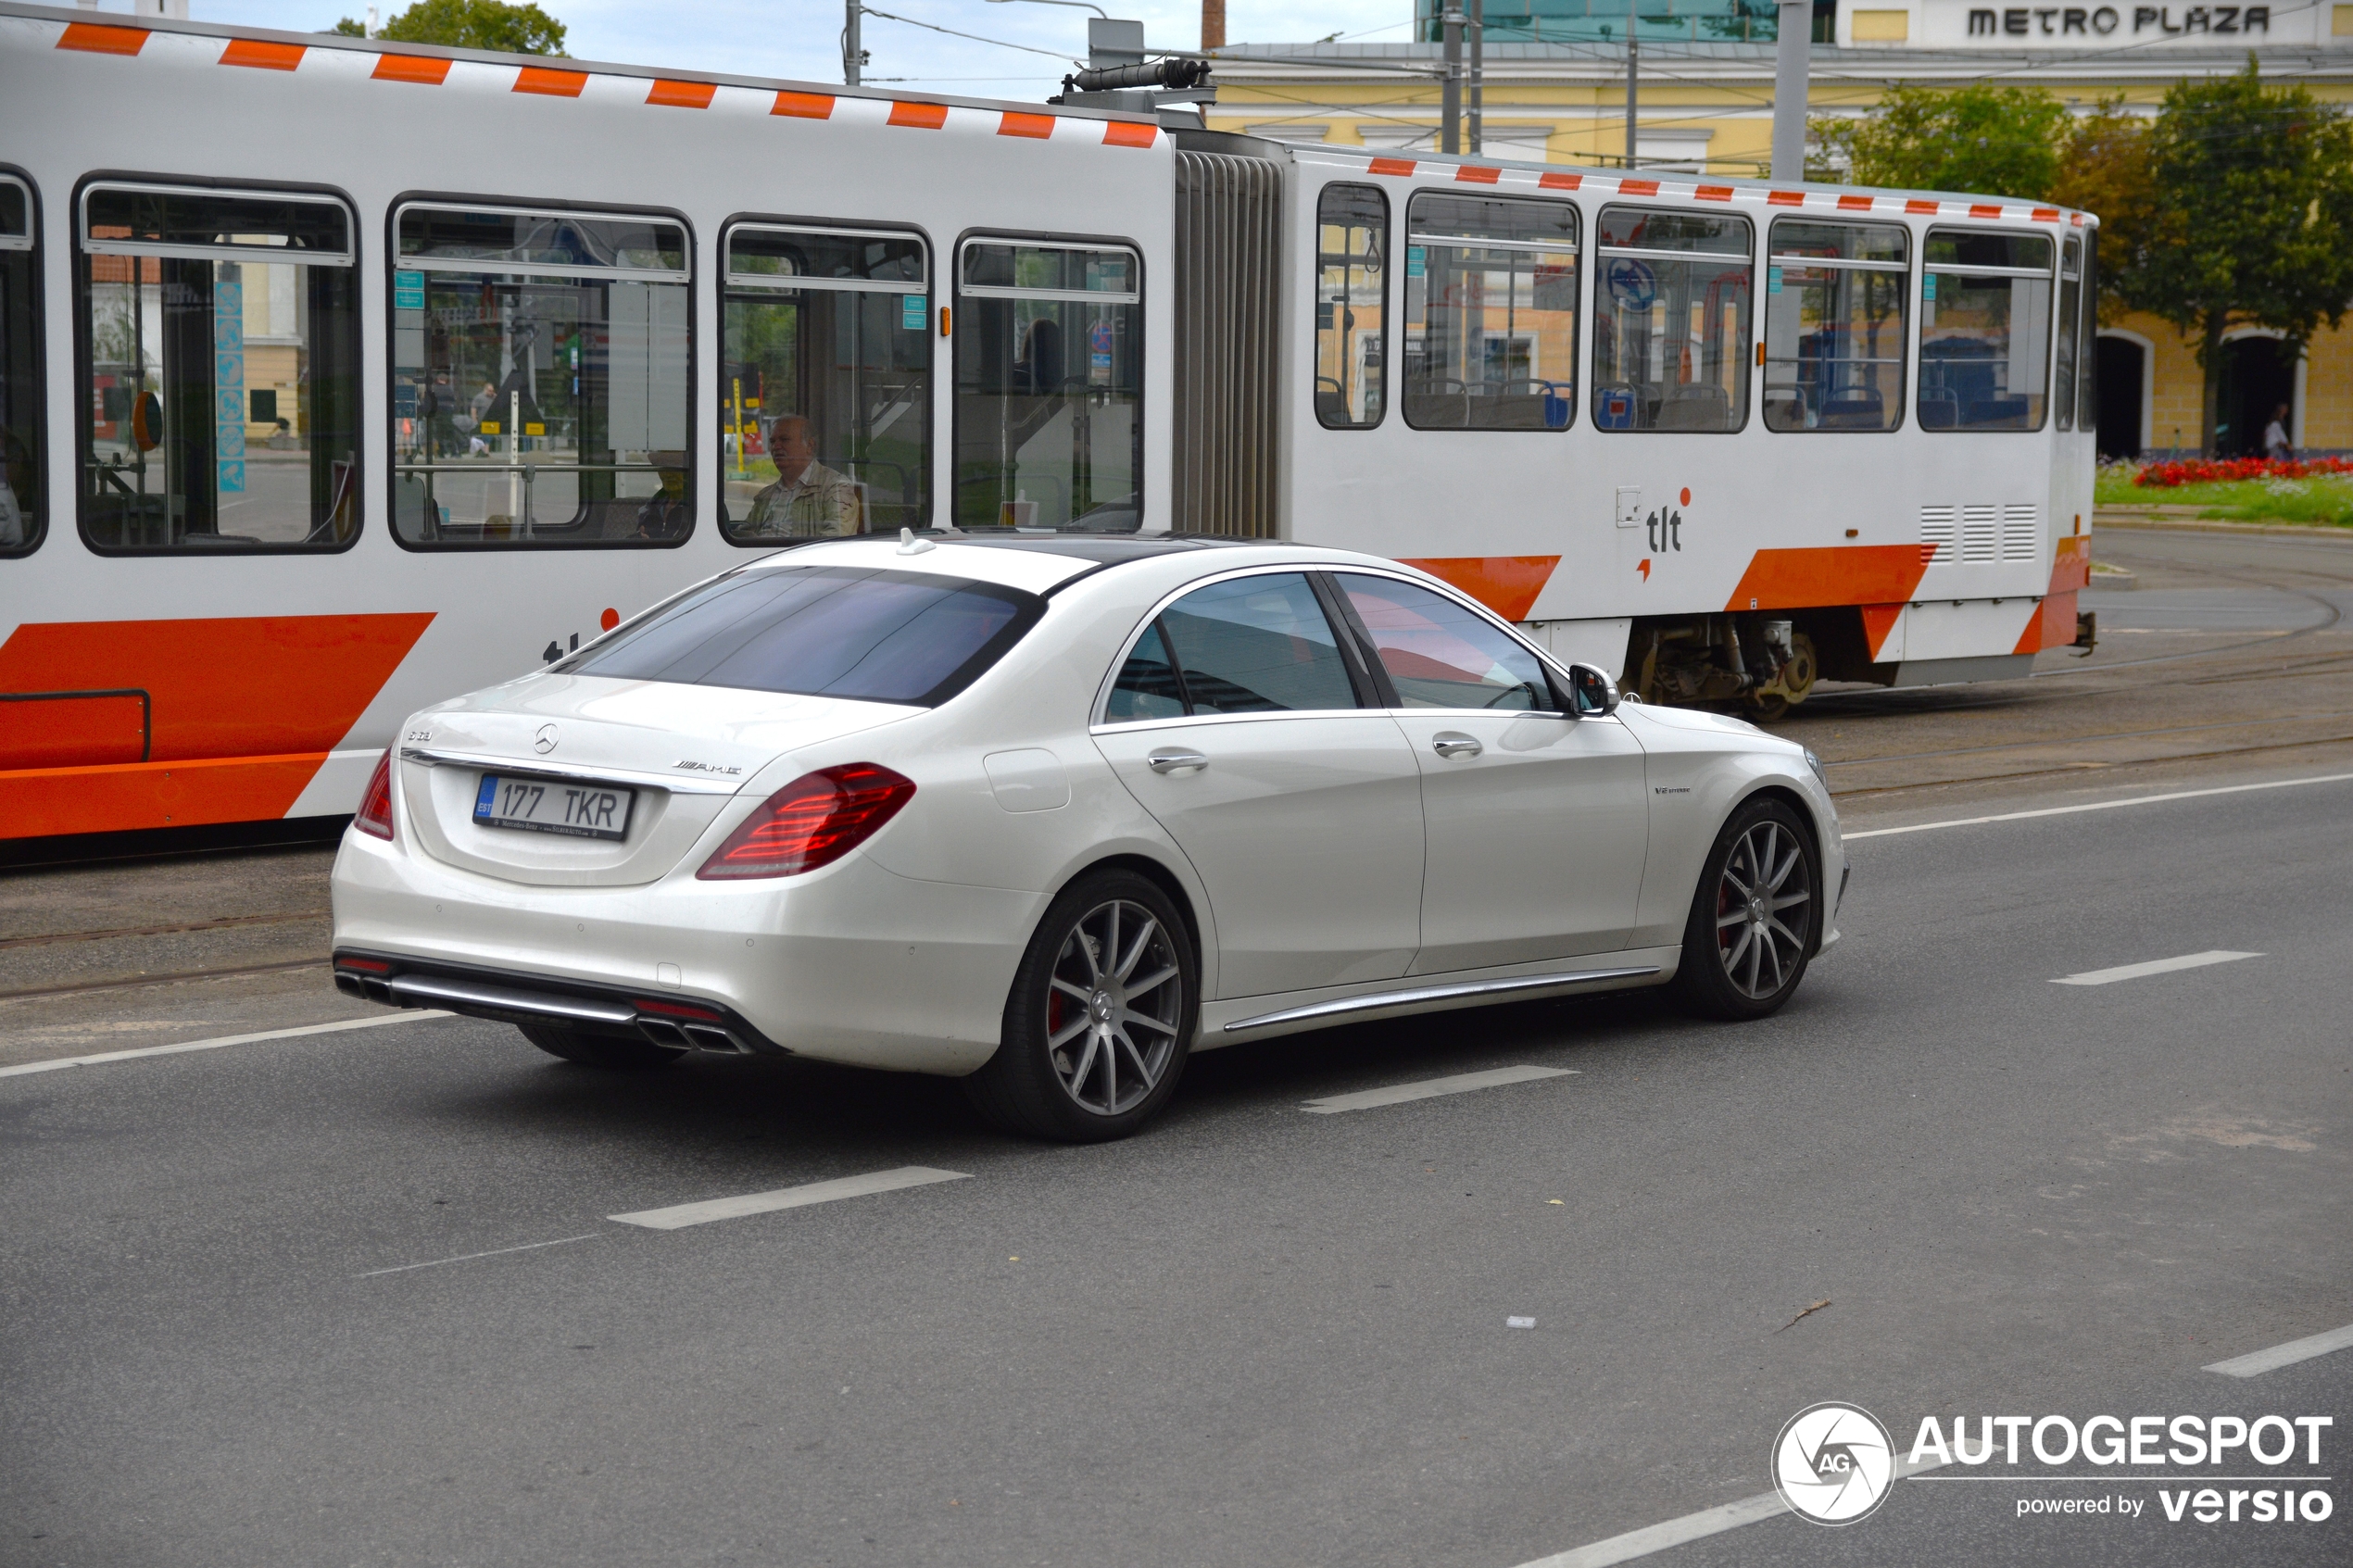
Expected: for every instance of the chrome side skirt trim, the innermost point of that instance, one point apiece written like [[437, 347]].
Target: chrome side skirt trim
[[676, 784], [1382, 1001], [461, 996]]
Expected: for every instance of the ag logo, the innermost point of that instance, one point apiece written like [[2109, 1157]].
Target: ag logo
[[1833, 1463]]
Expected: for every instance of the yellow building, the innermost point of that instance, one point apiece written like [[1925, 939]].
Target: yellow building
[[1703, 104]]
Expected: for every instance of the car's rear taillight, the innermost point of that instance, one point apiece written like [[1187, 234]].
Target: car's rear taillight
[[812, 822], [375, 815]]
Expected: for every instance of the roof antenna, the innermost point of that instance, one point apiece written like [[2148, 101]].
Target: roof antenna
[[910, 545]]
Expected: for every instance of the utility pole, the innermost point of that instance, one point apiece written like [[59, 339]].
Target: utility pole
[[1451, 109], [854, 55], [1793, 55], [1213, 24], [1634, 73], [1478, 75]]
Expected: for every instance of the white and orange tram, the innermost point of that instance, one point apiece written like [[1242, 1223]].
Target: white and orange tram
[[339, 376]]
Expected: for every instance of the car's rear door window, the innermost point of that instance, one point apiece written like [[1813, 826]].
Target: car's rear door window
[[824, 631], [1438, 654], [1252, 644]]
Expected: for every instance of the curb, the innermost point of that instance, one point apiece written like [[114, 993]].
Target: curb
[[2270, 530]]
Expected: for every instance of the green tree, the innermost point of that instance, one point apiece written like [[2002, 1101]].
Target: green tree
[[2104, 169], [470, 24], [1993, 141], [2249, 217]]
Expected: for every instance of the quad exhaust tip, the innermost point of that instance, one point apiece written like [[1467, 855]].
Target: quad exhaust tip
[[674, 1025]]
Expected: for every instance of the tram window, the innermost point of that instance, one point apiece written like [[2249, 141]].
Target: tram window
[[539, 379], [20, 454], [192, 299], [1351, 298], [2087, 353], [1671, 320], [1985, 309], [2071, 297], [1050, 375], [825, 386], [1834, 326], [1490, 314]]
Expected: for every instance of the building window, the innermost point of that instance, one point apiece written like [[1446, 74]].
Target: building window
[[1834, 326], [824, 388], [192, 299], [1490, 314], [2070, 299], [1985, 307], [1671, 327], [1352, 292], [539, 379], [21, 493], [1050, 375]]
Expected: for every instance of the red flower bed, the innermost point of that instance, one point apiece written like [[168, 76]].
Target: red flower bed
[[2209, 471]]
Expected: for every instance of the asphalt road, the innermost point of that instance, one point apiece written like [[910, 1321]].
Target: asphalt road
[[1255, 1335]]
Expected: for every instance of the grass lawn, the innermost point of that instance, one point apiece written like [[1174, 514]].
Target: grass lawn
[[2323, 499]]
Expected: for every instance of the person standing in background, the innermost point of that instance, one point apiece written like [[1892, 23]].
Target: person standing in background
[[2275, 441]]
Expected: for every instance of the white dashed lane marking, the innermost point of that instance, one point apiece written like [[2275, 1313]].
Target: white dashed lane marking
[[410, 1016], [687, 1214], [1429, 1088], [2154, 966], [2294, 1350], [2095, 806], [470, 1257]]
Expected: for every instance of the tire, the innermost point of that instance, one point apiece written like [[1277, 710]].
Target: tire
[[1087, 1055], [598, 1050], [1744, 954]]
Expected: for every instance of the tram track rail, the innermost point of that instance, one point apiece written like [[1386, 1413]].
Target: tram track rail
[[225, 923]]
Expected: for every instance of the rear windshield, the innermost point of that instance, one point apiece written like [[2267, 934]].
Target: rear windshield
[[823, 631]]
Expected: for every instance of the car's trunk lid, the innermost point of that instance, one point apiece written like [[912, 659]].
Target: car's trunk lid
[[677, 753]]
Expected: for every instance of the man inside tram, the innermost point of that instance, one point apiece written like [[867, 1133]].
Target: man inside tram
[[809, 500]]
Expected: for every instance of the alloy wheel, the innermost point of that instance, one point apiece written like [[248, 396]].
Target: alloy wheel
[[1112, 1007], [1765, 877]]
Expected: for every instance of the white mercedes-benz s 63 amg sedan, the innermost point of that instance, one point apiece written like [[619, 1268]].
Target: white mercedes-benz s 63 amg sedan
[[1048, 813]]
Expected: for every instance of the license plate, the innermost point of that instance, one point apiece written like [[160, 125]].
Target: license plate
[[584, 811]]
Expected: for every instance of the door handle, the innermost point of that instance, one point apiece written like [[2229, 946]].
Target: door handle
[[1454, 743], [1174, 761]]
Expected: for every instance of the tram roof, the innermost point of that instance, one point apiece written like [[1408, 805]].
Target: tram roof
[[119, 33]]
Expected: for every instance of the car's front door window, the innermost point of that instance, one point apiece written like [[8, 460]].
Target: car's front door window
[[1438, 654]]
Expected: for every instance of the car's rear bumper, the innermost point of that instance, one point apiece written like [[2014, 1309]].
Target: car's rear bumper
[[514, 998], [852, 964]]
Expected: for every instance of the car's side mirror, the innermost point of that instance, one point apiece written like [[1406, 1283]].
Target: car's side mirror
[[1593, 692]]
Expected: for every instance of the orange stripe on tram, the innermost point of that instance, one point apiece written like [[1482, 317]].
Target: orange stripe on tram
[[423, 69], [804, 105], [1506, 585], [97, 38], [263, 56], [1834, 574], [919, 117], [1119, 133], [669, 94], [233, 716], [550, 84], [1015, 123], [1878, 621]]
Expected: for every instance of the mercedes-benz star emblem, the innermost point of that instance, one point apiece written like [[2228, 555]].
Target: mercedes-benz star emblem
[[545, 740]]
